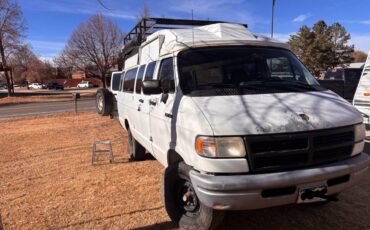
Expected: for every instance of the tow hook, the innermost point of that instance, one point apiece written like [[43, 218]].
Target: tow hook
[[310, 194]]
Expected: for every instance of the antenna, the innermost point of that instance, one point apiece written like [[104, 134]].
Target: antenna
[[192, 24]]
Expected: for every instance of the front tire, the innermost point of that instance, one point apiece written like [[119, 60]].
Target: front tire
[[134, 148], [181, 202]]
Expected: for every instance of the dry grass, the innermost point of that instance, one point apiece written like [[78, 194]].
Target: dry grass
[[47, 182], [40, 98]]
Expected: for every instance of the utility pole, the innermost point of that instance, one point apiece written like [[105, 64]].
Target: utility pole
[[272, 19]]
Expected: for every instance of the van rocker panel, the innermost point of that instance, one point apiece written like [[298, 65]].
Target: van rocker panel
[[243, 192]]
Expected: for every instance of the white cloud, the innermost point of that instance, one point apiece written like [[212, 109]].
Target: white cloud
[[202, 6], [77, 7], [367, 22], [47, 45], [302, 17], [283, 37], [46, 49], [223, 10], [49, 59], [361, 42]]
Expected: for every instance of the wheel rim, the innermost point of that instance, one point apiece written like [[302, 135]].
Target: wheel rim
[[100, 102], [187, 199]]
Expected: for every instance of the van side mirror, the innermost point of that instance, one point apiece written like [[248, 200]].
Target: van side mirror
[[152, 87]]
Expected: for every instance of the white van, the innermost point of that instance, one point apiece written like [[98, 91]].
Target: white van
[[238, 122]]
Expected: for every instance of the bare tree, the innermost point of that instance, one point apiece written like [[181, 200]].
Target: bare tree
[[359, 56], [12, 27], [145, 13], [20, 60], [94, 43], [65, 64]]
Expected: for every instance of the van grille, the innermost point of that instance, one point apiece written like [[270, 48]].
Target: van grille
[[277, 152]]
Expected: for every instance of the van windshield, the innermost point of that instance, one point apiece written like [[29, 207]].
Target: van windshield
[[242, 70]]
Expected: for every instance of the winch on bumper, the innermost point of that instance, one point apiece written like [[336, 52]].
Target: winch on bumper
[[254, 191]]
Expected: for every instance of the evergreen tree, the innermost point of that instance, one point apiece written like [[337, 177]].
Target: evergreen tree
[[322, 46]]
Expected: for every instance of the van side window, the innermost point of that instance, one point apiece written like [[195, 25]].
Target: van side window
[[150, 71], [139, 79], [129, 81], [121, 82], [116, 81], [166, 76]]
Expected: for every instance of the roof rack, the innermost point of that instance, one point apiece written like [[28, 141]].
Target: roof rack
[[147, 26]]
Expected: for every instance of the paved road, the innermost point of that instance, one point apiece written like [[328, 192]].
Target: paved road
[[17, 110]]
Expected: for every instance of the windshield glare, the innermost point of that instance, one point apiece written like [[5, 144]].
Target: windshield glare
[[241, 67]]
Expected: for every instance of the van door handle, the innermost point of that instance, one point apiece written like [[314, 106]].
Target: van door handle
[[152, 102], [168, 115], [141, 100]]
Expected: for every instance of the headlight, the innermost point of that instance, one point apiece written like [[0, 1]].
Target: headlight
[[360, 132], [220, 147]]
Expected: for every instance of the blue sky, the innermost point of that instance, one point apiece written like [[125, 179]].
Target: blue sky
[[51, 22]]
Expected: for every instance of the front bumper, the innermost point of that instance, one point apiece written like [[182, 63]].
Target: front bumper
[[242, 192]]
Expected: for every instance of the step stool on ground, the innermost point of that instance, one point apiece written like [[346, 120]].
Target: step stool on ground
[[103, 152]]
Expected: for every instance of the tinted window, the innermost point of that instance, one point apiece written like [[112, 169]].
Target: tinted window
[[116, 81], [334, 74], [129, 81], [150, 71], [166, 76], [139, 79], [353, 75], [121, 83]]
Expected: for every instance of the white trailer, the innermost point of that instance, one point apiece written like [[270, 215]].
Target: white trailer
[[361, 99]]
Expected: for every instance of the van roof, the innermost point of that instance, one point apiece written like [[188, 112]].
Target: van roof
[[211, 35]]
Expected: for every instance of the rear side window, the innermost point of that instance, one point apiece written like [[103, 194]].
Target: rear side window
[[139, 79], [150, 71], [129, 81], [116, 79], [166, 76], [335, 74], [121, 83], [353, 75]]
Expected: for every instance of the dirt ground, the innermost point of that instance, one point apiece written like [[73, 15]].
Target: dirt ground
[[47, 182]]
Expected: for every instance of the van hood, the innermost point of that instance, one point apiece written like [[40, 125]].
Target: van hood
[[276, 113]]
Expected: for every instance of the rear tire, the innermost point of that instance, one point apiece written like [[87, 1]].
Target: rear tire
[[134, 148], [104, 102], [182, 204]]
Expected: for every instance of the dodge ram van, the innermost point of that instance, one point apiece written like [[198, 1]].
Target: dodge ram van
[[237, 121]]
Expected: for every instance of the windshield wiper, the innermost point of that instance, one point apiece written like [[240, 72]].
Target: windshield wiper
[[298, 84], [216, 85], [251, 83], [275, 83]]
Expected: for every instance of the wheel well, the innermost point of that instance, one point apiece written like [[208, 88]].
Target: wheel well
[[173, 157], [126, 124]]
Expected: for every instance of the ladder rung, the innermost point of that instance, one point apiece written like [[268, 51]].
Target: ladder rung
[[103, 142], [102, 151], [101, 154]]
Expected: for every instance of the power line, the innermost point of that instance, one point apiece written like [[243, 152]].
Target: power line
[[103, 5]]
